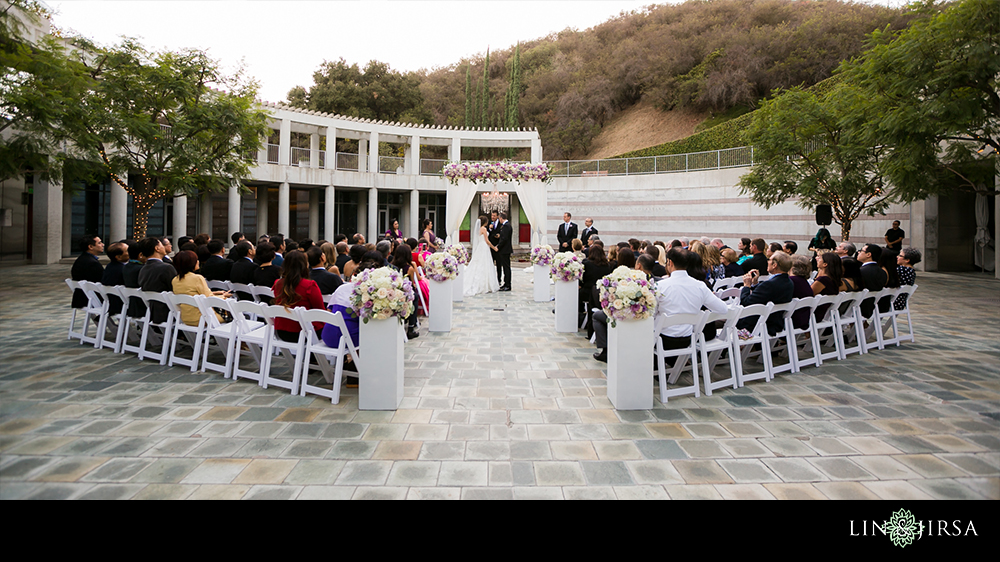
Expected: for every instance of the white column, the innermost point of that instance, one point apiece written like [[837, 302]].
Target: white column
[[261, 212], [328, 212], [285, 142], [119, 213], [373, 153], [413, 156], [362, 217], [372, 226], [47, 222], [536, 151], [235, 217], [314, 214], [180, 219], [413, 228], [283, 194], [205, 214], [68, 246], [314, 150], [996, 226], [331, 151], [455, 150], [362, 155]]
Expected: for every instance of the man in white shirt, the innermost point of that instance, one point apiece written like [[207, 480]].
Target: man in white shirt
[[681, 294]]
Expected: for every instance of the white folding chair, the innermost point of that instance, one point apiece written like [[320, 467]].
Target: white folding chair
[[728, 283], [193, 335], [219, 285], [97, 309], [262, 294], [697, 322], [849, 318], [250, 336], [896, 313], [758, 336], [165, 327], [882, 320], [119, 332], [712, 350], [134, 325], [808, 306], [243, 291], [416, 288], [292, 352], [782, 340], [74, 286], [316, 348], [824, 319], [728, 294]]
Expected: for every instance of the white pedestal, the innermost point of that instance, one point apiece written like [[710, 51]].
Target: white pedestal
[[439, 319], [567, 306], [456, 284], [380, 373], [541, 283], [630, 364]]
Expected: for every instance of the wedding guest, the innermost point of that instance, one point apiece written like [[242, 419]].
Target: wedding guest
[[357, 253], [87, 267], [578, 248], [801, 268], [427, 235], [595, 266], [341, 302], [729, 261], [907, 275], [402, 261], [790, 247], [394, 233], [190, 283], [343, 256], [268, 273], [745, 251], [757, 261], [114, 273], [328, 282], [295, 289], [656, 269], [829, 277], [852, 281], [613, 257], [626, 258]]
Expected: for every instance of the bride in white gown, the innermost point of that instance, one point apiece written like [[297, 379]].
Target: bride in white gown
[[481, 274]]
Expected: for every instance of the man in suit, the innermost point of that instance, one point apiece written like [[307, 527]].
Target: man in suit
[[87, 267], [778, 289], [216, 267], [873, 276], [504, 250], [493, 233], [243, 267], [279, 249], [328, 282], [130, 275], [567, 233], [114, 273], [588, 231], [237, 238], [758, 261], [156, 276]]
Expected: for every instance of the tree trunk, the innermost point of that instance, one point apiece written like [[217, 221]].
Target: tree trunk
[[140, 215], [845, 229]]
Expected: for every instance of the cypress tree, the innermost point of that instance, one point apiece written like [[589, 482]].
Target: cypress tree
[[468, 97]]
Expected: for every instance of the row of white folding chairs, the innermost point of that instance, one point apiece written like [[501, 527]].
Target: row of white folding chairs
[[242, 336], [840, 326], [258, 292]]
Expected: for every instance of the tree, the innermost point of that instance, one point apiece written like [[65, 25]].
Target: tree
[[377, 92], [158, 117], [935, 92], [802, 149]]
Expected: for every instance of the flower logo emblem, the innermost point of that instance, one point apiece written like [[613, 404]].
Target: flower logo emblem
[[902, 528]]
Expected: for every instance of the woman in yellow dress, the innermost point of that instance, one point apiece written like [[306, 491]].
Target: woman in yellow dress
[[190, 283]]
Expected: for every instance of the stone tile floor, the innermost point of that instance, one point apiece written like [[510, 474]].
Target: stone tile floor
[[502, 407]]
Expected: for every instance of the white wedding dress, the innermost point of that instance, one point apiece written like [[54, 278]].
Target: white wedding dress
[[481, 274]]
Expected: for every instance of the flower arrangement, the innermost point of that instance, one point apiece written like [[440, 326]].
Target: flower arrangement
[[382, 293], [566, 267], [626, 294], [496, 171], [458, 252], [542, 255], [441, 267]]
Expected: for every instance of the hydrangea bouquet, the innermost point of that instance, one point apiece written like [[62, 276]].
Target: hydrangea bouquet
[[567, 267], [626, 294], [496, 171], [458, 252], [542, 255], [382, 293], [441, 267]]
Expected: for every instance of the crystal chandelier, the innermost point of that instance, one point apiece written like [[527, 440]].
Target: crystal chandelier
[[495, 201]]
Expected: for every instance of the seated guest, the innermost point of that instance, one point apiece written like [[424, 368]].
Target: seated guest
[[156, 276], [290, 246], [237, 237], [279, 249], [626, 258], [244, 268], [661, 258], [872, 275], [829, 279], [130, 275], [304, 246], [710, 262], [87, 267], [357, 253], [777, 289], [613, 257], [729, 263], [745, 251], [341, 302], [168, 248], [577, 245], [801, 268], [343, 256], [384, 247], [190, 283], [851, 281], [328, 282], [295, 289], [330, 253], [790, 247], [645, 264], [654, 252], [772, 248], [680, 293], [888, 264], [216, 267], [905, 261], [595, 267], [845, 250], [757, 261], [267, 273], [402, 261], [114, 273]]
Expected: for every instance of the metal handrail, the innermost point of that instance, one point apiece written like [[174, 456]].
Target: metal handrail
[[391, 164], [347, 161]]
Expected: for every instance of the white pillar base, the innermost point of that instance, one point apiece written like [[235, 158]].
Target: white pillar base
[[380, 373], [439, 319], [456, 285], [567, 306], [541, 282], [630, 365]]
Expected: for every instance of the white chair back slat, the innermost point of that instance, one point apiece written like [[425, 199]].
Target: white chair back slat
[[690, 353]]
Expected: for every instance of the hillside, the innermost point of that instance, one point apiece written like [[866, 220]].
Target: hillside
[[641, 126]]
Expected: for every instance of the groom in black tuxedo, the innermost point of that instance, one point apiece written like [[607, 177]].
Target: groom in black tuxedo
[[504, 250], [493, 233]]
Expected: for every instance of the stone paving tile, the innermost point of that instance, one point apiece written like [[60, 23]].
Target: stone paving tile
[[919, 421]]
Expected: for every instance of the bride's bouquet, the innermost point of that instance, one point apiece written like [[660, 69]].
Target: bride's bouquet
[[382, 293], [441, 267], [542, 255], [626, 294], [567, 267], [458, 252]]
